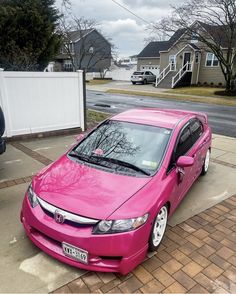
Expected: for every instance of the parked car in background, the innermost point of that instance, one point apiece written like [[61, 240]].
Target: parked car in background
[[143, 77], [105, 202], [2, 130]]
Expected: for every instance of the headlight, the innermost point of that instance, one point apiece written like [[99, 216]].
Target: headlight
[[32, 197], [118, 226], [140, 78]]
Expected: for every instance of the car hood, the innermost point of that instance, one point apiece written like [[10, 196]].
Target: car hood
[[85, 190]]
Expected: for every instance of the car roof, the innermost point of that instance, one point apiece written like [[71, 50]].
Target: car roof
[[166, 118]]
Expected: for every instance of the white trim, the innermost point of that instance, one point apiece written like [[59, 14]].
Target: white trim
[[75, 41], [199, 65]]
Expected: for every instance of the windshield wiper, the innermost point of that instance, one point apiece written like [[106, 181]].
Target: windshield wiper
[[86, 158], [79, 156], [122, 163]]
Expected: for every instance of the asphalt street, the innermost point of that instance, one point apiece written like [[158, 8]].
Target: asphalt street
[[222, 119]]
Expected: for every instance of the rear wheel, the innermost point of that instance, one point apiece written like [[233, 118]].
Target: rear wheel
[[158, 228], [205, 166]]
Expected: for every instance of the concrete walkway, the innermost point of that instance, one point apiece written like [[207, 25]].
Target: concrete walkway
[[24, 268]]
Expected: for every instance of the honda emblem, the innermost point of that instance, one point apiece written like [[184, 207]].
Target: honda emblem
[[59, 217]]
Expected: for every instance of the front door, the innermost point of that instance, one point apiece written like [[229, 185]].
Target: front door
[[187, 58], [180, 179]]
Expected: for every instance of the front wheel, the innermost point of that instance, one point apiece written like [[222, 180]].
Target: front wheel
[[158, 228], [145, 82], [133, 83], [205, 166]]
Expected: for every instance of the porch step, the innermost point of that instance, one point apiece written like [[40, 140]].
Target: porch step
[[166, 83]]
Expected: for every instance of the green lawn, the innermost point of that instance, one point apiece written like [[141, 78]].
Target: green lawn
[[98, 82], [95, 117], [199, 91], [172, 95]]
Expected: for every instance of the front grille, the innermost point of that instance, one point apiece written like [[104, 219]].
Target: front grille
[[68, 222], [69, 218]]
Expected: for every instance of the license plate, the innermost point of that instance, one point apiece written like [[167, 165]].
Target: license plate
[[75, 252]]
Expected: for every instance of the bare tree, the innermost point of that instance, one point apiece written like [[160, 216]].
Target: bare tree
[[87, 52], [213, 23]]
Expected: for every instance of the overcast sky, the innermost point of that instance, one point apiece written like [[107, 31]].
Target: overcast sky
[[127, 32]]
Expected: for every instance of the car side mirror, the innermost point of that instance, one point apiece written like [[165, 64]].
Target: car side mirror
[[79, 137], [185, 161]]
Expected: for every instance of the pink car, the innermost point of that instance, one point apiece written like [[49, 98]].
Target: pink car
[[106, 202]]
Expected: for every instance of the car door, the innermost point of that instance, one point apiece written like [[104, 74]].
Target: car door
[[180, 179], [198, 149], [147, 77], [152, 77]]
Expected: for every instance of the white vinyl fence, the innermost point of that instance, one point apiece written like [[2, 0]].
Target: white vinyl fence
[[35, 102], [120, 74]]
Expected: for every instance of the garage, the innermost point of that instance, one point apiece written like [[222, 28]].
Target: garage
[[155, 69]]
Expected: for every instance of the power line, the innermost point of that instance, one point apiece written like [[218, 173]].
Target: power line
[[139, 17]]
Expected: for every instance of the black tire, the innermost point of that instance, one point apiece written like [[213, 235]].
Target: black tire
[[205, 166], [2, 122], [153, 246], [145, 82], [134, 83]]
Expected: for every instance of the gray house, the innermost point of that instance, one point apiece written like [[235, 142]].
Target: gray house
[[84, 49], [183, 60]]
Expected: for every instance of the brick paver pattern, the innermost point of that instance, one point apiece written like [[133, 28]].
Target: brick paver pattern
[[196, 256]]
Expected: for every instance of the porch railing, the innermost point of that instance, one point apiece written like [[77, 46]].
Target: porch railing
[[186, 68], [170, 67]]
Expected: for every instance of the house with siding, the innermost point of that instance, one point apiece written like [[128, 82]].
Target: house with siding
[[84, 49], [183, 60]]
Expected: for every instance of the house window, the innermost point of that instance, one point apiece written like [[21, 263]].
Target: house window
[[91, 50], [172, 58], [67, 65], [197, 57], [211, 59], [172, 61], [194, 37]]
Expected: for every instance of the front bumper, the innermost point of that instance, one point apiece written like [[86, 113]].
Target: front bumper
[[137, 80], [108, 253]]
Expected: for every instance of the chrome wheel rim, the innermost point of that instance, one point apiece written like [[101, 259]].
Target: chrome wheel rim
[[207, 160], [159, 226]]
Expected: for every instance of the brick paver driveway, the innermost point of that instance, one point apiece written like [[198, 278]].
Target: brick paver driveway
[[196, 256]]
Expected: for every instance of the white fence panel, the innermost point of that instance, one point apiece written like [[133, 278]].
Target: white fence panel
[[121, 74], [35, 102]]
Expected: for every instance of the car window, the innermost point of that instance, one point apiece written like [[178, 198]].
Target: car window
[[147, 73], [150, 73], [184, 143], [196, 129], [138, 73]]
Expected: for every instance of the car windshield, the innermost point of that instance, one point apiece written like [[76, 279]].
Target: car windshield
[[130, 147], [138, 73]]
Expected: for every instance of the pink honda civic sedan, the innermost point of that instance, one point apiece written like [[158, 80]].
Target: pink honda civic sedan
[[106, 202]]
